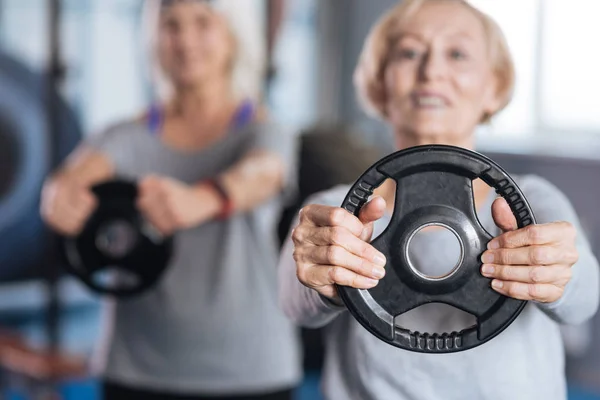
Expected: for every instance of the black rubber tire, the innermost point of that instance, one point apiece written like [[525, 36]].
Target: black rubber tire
[[26, 155]]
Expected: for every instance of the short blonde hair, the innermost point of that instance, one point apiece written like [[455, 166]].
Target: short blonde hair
[[369, 73], [248, 64]]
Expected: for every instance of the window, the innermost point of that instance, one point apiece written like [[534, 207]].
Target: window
[[570, 65], [99, 47], [554, 46]]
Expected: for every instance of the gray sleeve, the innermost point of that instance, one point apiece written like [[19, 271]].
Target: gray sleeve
[[304, 306], [580, 298], [282, 141]]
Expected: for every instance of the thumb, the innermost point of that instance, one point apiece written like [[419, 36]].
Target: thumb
[[370, 213], [503, 216]]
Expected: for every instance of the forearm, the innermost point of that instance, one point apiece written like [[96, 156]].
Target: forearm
[[302, 305], [84, 166], [253, 180]]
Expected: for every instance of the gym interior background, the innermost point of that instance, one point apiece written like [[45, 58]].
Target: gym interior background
[[92, 52]]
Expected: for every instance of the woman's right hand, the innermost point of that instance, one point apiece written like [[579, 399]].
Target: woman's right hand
[[66, 205], [331, 246]]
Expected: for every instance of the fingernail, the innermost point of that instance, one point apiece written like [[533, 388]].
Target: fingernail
[[487, 257], [379, 259], [497, 284], [493, 244], [371, 282], [378, 273], [487, 270]]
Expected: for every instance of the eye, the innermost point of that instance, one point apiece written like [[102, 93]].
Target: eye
[[458, 55], [409, 54], [171, 25], [406, 54]]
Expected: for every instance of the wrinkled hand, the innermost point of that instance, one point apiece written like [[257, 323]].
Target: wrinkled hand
[[66, 205], [170, 205], [531, 263], [331, 246]]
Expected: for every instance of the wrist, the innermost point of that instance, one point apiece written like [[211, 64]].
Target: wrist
[[334, 302], [222, 207]]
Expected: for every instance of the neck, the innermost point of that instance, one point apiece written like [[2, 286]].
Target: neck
[[388, 189], [405, 140], [202, 100]]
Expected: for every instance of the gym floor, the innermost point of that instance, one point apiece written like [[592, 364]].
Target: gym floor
[[88, 390]]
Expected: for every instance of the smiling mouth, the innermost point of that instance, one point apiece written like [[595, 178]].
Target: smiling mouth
[[429, 102]]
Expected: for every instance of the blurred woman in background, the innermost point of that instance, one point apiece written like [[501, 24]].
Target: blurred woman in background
[[214, 172], [434, 70]]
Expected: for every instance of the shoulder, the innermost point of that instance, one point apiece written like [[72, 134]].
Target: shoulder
[[270, 136], [124, 127], [269, 127]]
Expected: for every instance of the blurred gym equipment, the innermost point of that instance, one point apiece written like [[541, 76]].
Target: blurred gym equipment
[[37, 131], [26, 156]]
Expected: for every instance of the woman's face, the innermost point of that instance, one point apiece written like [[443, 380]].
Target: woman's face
[[438, 78], [194, 44]]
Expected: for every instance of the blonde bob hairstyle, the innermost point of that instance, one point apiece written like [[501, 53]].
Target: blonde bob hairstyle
[[247, 67], [369, 73]]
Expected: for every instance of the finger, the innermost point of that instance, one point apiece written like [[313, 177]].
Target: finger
[[523, 291], [554, 232], [149, 180], [156, 212], [68, 225], [319, 215], [78, 199], [527, 274], [148, 184], [151, 199], [88, 201], [161, 223], [323, 275], [503, 216], [75, 212], [338, 256], [325, 236], [372, 210], [530, 255]]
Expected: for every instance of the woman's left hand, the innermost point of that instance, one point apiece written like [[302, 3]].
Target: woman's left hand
[[531, 263], [172, 205]]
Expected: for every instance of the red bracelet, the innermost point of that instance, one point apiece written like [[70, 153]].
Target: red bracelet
[[226, 203]]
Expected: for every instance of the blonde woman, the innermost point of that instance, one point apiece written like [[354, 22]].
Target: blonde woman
[[212, 171], [434, 70]]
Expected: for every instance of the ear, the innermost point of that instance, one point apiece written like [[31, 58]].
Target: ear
[[493, 97]]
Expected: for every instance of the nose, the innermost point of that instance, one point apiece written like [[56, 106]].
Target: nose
[[187, 39], [433, 67]]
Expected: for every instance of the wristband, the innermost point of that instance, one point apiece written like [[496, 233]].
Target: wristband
[[226, 203]]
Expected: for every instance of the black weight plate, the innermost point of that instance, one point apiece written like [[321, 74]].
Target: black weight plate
[[434, 186], [117, 240]]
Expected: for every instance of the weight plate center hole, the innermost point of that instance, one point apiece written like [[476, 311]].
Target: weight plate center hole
[[116, 238], [439, 262], [116, 277]]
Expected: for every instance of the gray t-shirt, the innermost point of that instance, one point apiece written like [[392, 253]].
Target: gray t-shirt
[[526, 361], [212, 324]]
